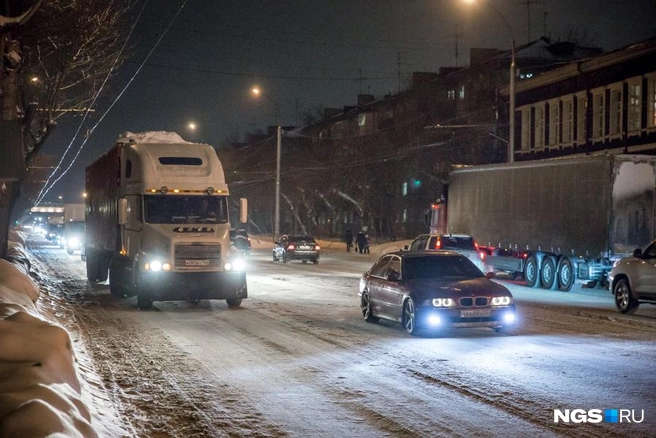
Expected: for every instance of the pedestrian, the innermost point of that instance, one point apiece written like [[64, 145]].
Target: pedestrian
[[360, 240], [348, 238], [367, 242]]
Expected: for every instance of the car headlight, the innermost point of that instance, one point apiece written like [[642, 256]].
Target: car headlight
[[444, 302], [501, 301]]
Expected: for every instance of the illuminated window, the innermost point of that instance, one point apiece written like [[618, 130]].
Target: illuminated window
[[461, 92], [651, 102], [634, 118], [451, 94], [404, 189]]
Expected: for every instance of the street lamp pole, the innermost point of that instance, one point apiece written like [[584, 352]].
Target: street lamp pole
[[276, 225], [511, 91]]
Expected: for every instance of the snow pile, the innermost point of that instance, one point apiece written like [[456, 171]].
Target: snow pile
[[39, 385], [163, 137]]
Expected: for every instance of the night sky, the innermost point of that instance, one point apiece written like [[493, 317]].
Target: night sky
[[310, 54]]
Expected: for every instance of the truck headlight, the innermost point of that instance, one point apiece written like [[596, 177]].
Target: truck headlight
[[155, 266], [237, 265]]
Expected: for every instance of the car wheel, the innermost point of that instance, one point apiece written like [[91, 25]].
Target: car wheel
[[284, 258], [315, 261], [531, 271], [304, 261], [623, 298], [69, 251], [565, 274], [367, 313], [233, 302], [410, 317], [548, 273], [274, 258]]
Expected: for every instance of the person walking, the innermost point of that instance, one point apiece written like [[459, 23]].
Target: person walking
[[360, 240], [348, 238], [367, 242]]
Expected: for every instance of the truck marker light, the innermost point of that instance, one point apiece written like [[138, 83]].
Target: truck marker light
[[166, 267], [176, 190]]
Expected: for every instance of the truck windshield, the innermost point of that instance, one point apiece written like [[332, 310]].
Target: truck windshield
[[173, 209]]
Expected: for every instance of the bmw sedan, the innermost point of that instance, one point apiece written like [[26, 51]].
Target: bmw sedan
[[429, 290]]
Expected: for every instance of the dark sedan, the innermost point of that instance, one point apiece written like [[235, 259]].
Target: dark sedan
[[303, 248], [433, 290]]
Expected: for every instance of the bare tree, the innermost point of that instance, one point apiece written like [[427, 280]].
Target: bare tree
[[56, 55]]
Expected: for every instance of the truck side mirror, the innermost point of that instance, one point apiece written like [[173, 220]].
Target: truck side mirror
[[243, 210], [122, 211]]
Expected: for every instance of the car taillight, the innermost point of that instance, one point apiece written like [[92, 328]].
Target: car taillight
[[476, 245], [290, 247], [317, 247]]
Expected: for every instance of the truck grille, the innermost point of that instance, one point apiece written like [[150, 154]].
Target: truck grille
[[197, 256]]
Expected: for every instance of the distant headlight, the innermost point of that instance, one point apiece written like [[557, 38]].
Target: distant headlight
[[444, 302], [155, 266], [501, 301], [73, 242]]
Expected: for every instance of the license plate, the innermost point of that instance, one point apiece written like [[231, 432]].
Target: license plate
[[304, 247], [476, 313], [197, 262]]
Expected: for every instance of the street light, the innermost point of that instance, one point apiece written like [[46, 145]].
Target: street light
[[511, 92], [276, 227]]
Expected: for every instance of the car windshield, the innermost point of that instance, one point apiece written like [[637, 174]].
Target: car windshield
[[458, 242], [440, 267], [174, 209]]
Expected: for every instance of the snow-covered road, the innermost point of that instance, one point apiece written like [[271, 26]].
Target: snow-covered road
[[298, 360]]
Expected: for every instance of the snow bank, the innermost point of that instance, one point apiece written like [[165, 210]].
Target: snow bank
[[151, 137], [39, 384]]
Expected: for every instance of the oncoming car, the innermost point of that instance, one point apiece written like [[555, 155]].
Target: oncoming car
[[631, 280], [303, 248], [432, 290]]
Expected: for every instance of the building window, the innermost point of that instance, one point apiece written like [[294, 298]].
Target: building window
[[615, 111], [554, 122], [651, 102], [451, 94], [461, 92], [405, 215], [526, 128], [404, 189], [581, 109], [568, 121], [598, 124], [539, 126], [634, 119]]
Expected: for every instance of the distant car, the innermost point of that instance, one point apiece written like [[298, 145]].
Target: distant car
[[432, 290], [54, 232], [73, 236], [303, 248], [461, 243], [239, 240], [632, 280]]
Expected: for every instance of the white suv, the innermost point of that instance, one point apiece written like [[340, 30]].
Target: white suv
[[633, 279], [461, 243]]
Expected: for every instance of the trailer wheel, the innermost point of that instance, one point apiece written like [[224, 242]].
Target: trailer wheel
[[92, 266], [144, 301], [548, 273], [233, 302], [531, 272], [623, 298], [565, 274]]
